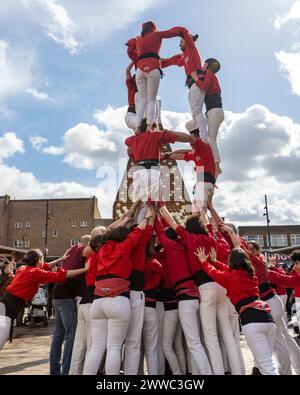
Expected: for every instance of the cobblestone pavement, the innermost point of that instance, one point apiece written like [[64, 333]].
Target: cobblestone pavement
[[29, 352]]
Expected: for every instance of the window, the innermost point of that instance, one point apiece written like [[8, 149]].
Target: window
[[28, 225], [73, 224], [295, 239], [55, 233], [279, 241], [83, 224], [44, 233], [258, 238], [74, 242], [18, 225], [27, 243], [18, 243]]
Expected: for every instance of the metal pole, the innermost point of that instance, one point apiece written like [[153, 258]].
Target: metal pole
[[268, 222], [46, 230]]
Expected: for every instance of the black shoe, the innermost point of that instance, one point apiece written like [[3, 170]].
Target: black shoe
[[256, 372], [228, 373]]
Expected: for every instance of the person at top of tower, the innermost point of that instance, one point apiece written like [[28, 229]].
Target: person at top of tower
[[148, 64], [190, 59]]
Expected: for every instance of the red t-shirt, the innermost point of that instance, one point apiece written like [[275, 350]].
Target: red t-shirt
[[147, 145], [190, 59], [237, 282], [114, 257], [131, 90], [176, 259], [279, 290], [193, 242], [28, 279], [138, 255], [91, 274], [287, 281], [202, 157], [74, 259], [210, 84], [153, 274], [151, 43]]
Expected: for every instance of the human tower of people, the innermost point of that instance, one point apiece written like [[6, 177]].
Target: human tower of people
[[150, 289]]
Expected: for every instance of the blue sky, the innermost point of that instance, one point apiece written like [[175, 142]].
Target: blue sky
[[66, 59]]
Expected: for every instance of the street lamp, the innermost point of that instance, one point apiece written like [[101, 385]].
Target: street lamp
[[46, 230], [266, 214]]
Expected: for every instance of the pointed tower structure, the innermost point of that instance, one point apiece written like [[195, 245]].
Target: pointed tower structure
[[174, 192]]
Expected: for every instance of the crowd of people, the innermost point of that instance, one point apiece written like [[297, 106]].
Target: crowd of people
[[147, 291]]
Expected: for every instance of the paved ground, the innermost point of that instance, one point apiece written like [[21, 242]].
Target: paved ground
[[29, 352]]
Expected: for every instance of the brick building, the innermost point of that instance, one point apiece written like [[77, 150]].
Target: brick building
[[23, 222], [281, 235]]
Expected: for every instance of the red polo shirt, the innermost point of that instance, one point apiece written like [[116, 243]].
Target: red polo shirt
[[279, 290], [287, 281], [190, 59], [115, 257], [237, 282], [202, 157], [210, 84], [151, 43], [147, 145], [28, 279], [193, 242], [176, 259], [131, 91], [138, 255]]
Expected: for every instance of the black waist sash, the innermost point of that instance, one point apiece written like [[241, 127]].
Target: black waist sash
[[190, 80], [148, 55]]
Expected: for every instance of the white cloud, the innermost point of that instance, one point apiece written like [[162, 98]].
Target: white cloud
[[16, 74], [10, 144], [291, 16], [38, 142], [56, 22], [289, 63], [260, 154], [38, 95], [76, 24]]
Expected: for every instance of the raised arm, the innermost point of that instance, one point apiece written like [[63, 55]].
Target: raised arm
[[176, 60], [168, 217], [177, 31]]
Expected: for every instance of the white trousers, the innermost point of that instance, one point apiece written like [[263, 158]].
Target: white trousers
[[5, 323], [297, 303], [150, 339], [130, 120], [188, 315], [280, 346], [82, 341], [146, 184], [213, 308], [110, 319], [196, 99], [160, 317], [179, 348], [134, 334], [148, 85], [235, 324], [215, 117], [201, 196], [260, 337], [293, 348], [171, 321]]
